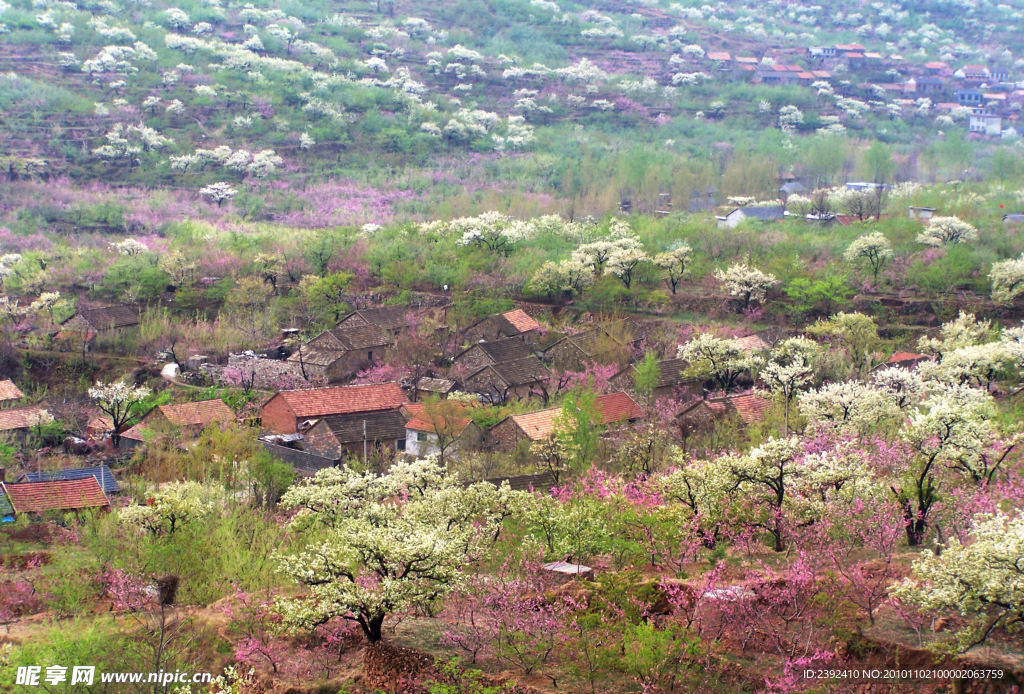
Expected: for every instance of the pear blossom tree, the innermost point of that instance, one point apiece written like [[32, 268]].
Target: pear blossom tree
[[873, 250], [218, 193], [943, 231], [979, 579], [622, 263], [747, 282], [1007, 278], [119, 401], [387, 543], [675, 264], [790, 367], [721, 360]]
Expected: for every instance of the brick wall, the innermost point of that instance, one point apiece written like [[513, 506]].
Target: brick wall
[[504, 435], [277, 417]]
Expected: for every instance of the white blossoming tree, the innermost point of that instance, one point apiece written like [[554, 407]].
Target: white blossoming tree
[[746, 282], [790, 367], [171, 507], [980, 580], [119, 401], [218, 193], [675, 264], [1007, 280], [872, 250], [721, 360], [623, 262], [942, 231], [387, 543]]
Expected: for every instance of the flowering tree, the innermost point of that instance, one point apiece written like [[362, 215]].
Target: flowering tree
[[218, 193], [747, 282], [173, 506], [121, 402], [623, 262], [980, 580], [1007, 280], [721, 360], [942, 231], [871, 249], [389, 543], [790, 367], [675, 263], [766, 472]]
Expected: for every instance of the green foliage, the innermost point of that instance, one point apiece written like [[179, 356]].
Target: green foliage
[[819, 293]]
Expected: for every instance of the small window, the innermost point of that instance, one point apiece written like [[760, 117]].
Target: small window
[[369, 356], [400, 444]]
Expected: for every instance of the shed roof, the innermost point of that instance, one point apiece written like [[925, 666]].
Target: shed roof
[[502, 350], [116, 316], [521, 320], [101, 472], [380, 426], [517, 372], [387, 317]]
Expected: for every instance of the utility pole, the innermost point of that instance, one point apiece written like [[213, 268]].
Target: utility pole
[[364, 443]]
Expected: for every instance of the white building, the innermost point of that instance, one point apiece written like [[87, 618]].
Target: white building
[[986, 124]]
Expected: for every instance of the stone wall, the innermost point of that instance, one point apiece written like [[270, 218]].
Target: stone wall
[[397, 670]]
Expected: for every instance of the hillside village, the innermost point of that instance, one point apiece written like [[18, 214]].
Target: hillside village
[[511, 347]]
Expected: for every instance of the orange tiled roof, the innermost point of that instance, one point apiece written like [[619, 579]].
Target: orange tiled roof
[[613, 408], [719, 55], [521, 320], [58, 495], [417, 424], [344, 400], [906, 356], [19, 417], [198, 413], [805, 75], [9, 391]]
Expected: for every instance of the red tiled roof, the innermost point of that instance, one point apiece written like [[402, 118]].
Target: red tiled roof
[[748, 60], [849, 47], [198, 413], [417, 424], [794, 68], [521, 320], [19, 417], [854, 54], [821, 73], [779, 68], [935, 65], [975, 68], [617, 407], [749, 406], [719, 55], [58, 495], [906, 356], [344, 400], [805, 75], [9, 391]]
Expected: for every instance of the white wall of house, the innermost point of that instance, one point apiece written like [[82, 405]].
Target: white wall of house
[[420, 443]]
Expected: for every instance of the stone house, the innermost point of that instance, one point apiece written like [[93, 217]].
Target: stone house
[[85, 325], [615, 408], [336, 436], [440, 387], [746, 408], [192, 417], [421, 435], [516, 323], [337, 354], [600, 344], [285, 411], [482, 354], [392, 319], [509, 380], [673, 381]]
